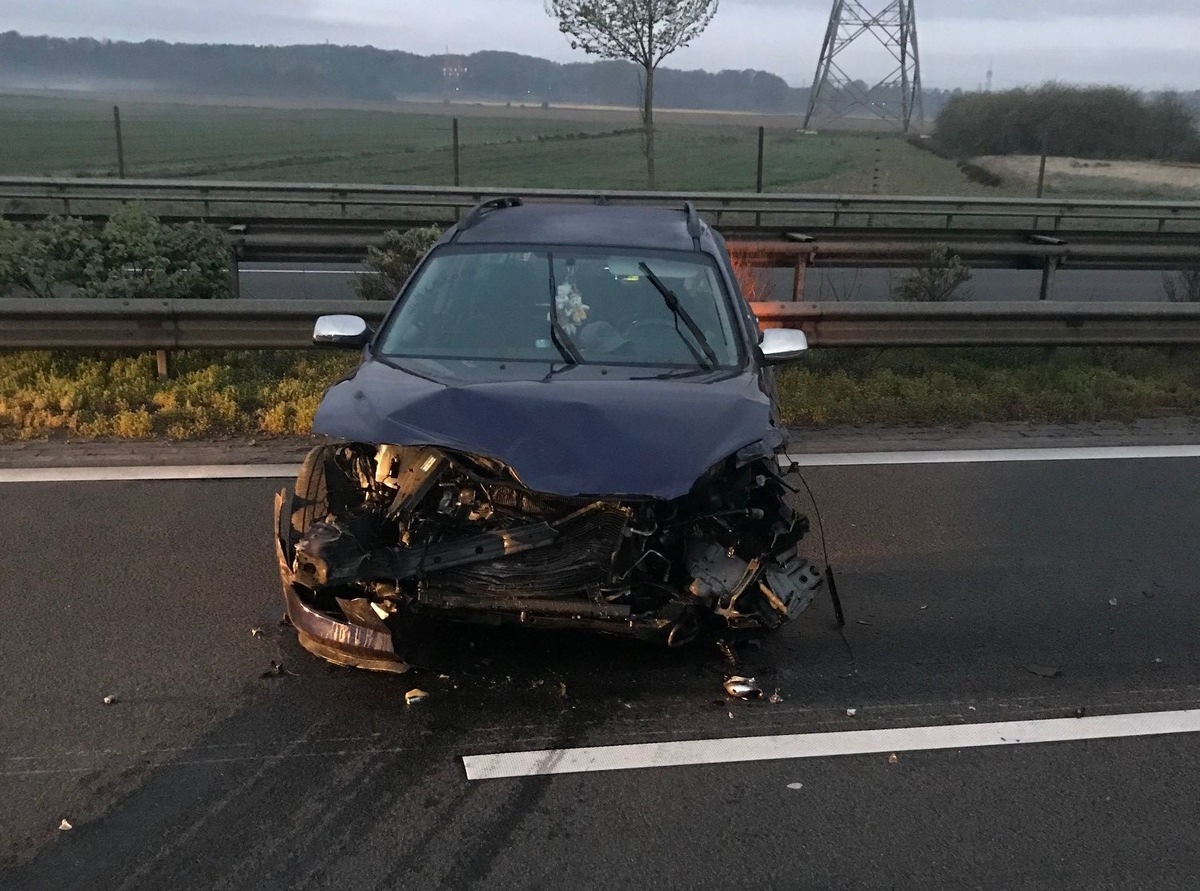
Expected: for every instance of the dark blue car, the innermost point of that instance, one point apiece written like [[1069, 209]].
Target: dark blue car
[[567, 420]]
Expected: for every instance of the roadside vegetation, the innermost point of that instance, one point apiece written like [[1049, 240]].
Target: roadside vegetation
[[394, 261], [274, 393], [1084, 122], [133, 255]]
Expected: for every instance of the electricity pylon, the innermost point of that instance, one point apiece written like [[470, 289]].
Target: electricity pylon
[[896, 98]]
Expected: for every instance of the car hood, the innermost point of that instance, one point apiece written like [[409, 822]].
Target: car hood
[[562, 436]]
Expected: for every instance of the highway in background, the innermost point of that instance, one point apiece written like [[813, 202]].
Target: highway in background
[[966, 586], [318, 281]]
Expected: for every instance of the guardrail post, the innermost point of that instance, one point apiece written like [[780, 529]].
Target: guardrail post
[[235, 270], [799, 275], [164, 363], [1048, 274]]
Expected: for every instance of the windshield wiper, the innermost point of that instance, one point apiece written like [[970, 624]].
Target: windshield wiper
[[683, 315], [558, 333]]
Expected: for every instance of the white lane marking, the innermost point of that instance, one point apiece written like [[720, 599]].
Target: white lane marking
[[245, 271], [123, 474], [824, 745], [846, 459], [998, 456]]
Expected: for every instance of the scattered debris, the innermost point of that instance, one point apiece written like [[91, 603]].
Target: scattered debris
[[893, 758], [1149, 595], [925, 606], [256, 632], [110, 700], [416, 694], [730, 715], [446, 677], [743, 688], [1081, 712], [275, 671], [726, 651], [863, 622], [562, 689], [1044, 671], [1157, 660], [851, 712], [775, 698], [971, 708], [1112, 601], [65, 825], [796, 786]]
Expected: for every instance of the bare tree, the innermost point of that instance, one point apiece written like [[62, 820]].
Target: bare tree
[[643, 31], [1183, 286]]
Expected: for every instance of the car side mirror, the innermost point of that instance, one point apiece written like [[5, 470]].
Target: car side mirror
[[783, 345], [341, 331]]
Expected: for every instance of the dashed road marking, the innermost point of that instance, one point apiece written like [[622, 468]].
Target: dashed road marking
[[640, 756]]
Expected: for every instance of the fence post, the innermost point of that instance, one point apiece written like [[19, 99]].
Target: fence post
[[120, 142], [457, 156], [758, 182], [1042, 171]]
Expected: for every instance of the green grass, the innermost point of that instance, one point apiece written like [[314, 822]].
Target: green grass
[[959, 386], [522, 148], [70, 137], [254, 393]]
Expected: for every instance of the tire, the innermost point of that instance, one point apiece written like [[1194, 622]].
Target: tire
[[323, 487]]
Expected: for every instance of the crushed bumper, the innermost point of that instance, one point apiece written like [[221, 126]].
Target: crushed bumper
[[340, 642]]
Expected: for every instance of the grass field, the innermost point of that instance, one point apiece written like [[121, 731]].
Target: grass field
[[74, 137]]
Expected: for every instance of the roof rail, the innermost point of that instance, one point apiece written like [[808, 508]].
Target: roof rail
[[695, 228], [476, 213]]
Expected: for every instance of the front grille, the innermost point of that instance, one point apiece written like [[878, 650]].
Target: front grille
[[576, 565]]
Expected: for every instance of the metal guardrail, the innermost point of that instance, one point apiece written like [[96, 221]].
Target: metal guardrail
[[28, 323], [256, 203]]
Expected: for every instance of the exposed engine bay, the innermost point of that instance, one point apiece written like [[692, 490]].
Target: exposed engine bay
[[372, 531]]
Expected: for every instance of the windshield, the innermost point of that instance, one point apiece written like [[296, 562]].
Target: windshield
[[469, 303]]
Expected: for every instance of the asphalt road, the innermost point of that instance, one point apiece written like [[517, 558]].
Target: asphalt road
[[955, 578]]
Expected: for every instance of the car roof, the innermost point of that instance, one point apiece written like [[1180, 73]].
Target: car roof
[[584, 224]]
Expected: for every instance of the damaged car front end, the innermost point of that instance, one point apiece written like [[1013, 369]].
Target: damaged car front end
[[516, 469]]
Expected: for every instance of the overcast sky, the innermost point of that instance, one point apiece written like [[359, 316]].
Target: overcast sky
[[1144, 43]]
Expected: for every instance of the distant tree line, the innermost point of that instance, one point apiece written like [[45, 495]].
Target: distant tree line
[[1091, 122], [368, 74]]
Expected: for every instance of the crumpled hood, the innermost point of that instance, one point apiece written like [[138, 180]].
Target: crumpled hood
[[606, 437]]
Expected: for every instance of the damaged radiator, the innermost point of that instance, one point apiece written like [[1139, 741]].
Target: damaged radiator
[[579, 560]]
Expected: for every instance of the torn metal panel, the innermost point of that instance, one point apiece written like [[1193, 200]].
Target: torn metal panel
[[472, 543], [339, 642]]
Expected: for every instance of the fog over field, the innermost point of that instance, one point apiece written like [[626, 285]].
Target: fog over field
[[1148, 45]]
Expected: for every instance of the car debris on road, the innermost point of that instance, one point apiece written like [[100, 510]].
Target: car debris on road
[[743, 688]]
